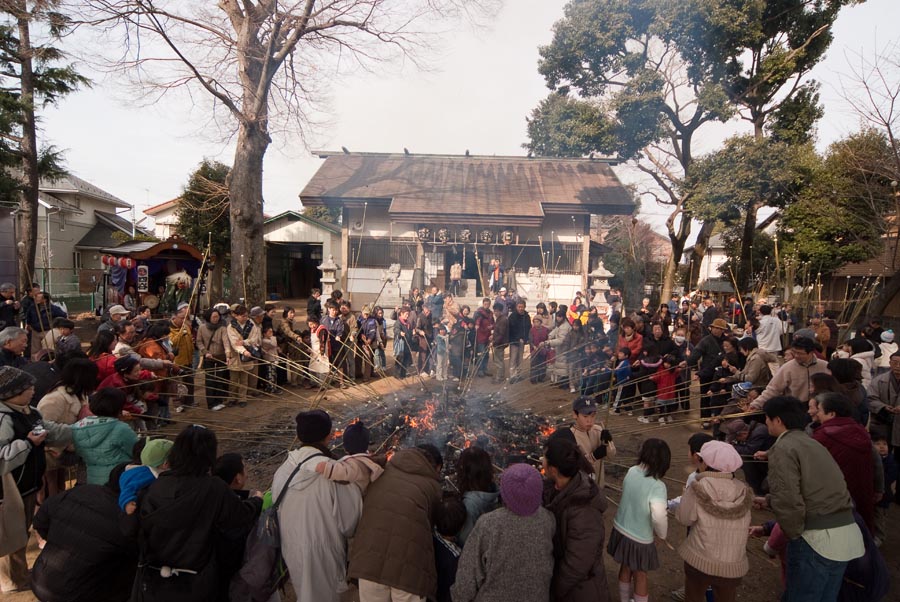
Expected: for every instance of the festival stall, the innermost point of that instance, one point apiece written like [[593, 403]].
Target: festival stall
[[162, 273]]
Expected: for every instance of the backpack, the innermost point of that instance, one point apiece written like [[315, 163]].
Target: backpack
[[264, 571]]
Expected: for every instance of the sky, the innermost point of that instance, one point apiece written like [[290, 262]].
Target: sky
[[475, 95]]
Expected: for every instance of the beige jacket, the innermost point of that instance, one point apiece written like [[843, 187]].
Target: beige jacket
[[587, 443], [235, 345], [717, 509], [358, 469]]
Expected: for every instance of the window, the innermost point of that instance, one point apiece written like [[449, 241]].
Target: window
[[62, 222], [76, 260]]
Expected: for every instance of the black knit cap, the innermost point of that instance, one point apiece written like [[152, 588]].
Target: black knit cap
[[13, 381], [356, 438], [125, 363], [313, 426]]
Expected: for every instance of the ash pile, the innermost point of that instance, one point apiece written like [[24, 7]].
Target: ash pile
[[453, 424]]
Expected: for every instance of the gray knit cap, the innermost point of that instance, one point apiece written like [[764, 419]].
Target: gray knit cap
[[13, 381]]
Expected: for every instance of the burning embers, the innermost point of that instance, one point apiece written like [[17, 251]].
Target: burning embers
[[456, 424], [424, 421]]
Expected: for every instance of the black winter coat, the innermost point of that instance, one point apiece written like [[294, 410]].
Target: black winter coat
[[87, 558], [178, 519], [578, 573], [519, 327]]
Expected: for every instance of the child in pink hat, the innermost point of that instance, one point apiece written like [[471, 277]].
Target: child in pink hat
[[717, 510]]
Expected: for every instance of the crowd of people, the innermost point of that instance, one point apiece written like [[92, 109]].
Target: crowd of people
[[792, 419]]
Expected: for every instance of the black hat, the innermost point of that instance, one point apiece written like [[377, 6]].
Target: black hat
[[803, 343], [313, 426], [125, 363], [356, 438], [584, 405]]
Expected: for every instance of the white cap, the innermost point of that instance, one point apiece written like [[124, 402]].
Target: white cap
[[117, 310]]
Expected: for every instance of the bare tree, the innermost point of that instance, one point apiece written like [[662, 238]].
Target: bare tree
[[872, 91], [260, 62]]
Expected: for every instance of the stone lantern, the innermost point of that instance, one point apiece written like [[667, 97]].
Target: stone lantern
[[600, 285], [329, 268]]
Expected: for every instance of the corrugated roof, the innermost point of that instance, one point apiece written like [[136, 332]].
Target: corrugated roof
[[515, 188]]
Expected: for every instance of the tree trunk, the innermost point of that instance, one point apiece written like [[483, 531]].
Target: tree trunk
[[745, 266], [889, 290], [28, 220], [245, 193], [698, 253]]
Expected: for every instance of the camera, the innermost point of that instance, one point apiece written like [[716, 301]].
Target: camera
[[38, 430]]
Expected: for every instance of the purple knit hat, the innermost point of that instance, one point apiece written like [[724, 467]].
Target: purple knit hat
[[521, 489]]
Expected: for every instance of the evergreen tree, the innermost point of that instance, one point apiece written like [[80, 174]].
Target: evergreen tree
[[31, 77]]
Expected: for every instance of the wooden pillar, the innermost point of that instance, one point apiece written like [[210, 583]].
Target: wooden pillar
[[345, 253], [585, 252]]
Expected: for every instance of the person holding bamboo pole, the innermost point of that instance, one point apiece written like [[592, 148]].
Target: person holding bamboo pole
[[243, 338]]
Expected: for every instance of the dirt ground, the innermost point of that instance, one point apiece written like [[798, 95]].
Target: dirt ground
[[263, 431]]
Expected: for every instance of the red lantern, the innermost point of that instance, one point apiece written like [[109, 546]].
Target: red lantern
[[104, 259]]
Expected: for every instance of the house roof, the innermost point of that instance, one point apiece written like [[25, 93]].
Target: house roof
[[469, 189], [157, 209], [171, 247], [295, 216], [72, 184], [101, 235], [884, 264]]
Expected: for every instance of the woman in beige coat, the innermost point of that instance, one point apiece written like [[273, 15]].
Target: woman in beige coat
[[66, 404]]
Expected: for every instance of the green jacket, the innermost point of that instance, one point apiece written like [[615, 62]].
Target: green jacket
[[807, 488], [103, 443]]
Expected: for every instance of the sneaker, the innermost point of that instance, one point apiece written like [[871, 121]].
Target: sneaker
[[705, 425], [662, 420], [677, 594], [571, 389], [670, 419], [179, 409], [218, 407], [631, 413], [642, 419]]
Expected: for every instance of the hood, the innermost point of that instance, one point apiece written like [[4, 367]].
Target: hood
[[846, 432], [413, 461], [307, 475], [722, 496], [482, 500], [92, 430]]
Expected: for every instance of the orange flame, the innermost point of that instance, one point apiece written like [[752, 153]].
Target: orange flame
[[547, 430], [425, 418]]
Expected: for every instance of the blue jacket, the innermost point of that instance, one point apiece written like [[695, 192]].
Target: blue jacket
[[623, 372], [103, 443], [40, 319]]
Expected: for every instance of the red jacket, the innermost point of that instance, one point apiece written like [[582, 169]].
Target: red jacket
[[849, 444], [105, 365], [484, 326], [129, 388], [636, 345], [665, 379], [539, 334]]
